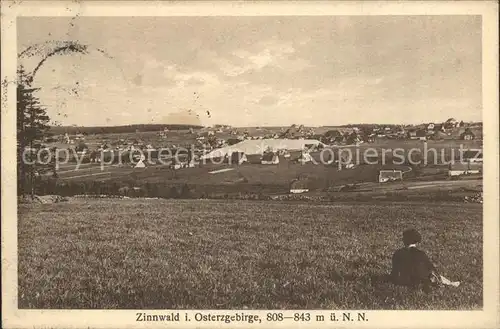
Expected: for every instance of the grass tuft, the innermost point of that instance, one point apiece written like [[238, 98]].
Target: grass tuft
[[158, 254]]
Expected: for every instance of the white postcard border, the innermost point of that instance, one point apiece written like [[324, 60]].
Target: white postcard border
[[15, 318]]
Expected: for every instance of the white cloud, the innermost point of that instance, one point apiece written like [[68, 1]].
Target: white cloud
[[271, 53], [206, 78]]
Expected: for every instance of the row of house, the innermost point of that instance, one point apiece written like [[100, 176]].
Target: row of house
[[471, 163], [352, 135], [422, 134]]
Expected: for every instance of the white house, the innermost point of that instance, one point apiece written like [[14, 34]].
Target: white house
[[250, 147], [389, 175], [458, 169], [140, 164], [299, 186]]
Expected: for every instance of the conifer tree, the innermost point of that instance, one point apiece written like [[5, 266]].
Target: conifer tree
[[32, 124]]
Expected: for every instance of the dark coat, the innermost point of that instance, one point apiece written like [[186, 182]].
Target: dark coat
[[411, 267]]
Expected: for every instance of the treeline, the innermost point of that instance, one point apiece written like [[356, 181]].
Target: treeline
[[371, 125], [368, 125], [118, 129], [234, 192], [166, 190]]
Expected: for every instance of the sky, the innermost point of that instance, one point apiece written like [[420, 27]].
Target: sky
[[258, 71]]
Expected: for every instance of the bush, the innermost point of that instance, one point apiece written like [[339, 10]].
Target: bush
[[170, 190]]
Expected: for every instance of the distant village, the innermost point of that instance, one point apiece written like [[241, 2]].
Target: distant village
[[208, 138], [296, 143]]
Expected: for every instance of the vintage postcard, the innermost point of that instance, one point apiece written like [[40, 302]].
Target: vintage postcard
[[250, 164]]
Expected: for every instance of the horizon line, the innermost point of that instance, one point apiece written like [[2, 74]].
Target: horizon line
[[250, 126]]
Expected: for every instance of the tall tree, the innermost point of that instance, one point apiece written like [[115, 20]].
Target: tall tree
[[32, 124], [32, 119]]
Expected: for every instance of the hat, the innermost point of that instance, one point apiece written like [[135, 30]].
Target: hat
[[411, 236]]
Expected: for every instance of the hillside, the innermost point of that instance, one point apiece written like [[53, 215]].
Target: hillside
[[118, 129]]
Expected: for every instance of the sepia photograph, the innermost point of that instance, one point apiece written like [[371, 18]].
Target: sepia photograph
[[250, 162]]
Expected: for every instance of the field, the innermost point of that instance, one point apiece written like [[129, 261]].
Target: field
[[281, 174], [320, 176], [158, 254]]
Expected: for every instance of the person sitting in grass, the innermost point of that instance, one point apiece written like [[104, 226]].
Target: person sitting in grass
[[412, 267]]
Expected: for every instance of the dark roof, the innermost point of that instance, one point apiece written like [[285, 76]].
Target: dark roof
[[465, 166], [295, 155], [467, 132], [439, 133], [471, 154], [237, 155], [254, 158], [459, 166], [269, 156], [421, 133]]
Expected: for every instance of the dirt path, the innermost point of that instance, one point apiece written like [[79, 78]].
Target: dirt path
[[421, 185], [90, 175]]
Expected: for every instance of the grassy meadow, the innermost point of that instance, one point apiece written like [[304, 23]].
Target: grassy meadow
[[158, 254]]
